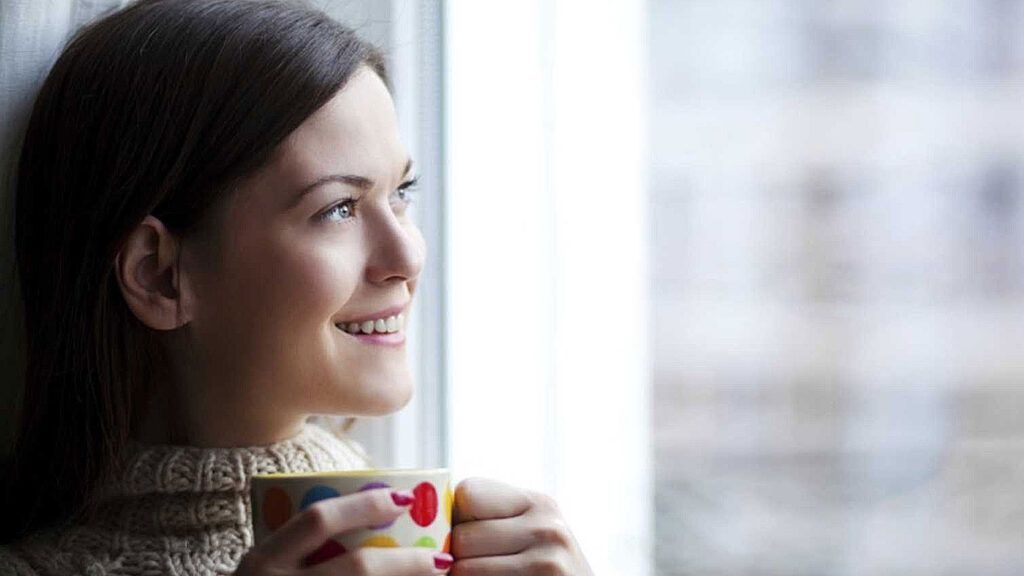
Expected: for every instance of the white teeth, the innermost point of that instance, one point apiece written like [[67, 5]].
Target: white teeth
[[387, 325]]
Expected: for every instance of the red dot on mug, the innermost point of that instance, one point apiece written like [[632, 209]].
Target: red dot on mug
[[424, 509], [328, 550], [277, 507]]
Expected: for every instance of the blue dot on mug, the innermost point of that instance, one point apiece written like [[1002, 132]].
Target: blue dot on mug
[[371, 486], [316, 494]]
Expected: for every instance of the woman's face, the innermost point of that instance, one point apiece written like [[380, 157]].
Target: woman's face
[[296, 260]]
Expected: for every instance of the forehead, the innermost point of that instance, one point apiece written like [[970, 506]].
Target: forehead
[[356, 131]]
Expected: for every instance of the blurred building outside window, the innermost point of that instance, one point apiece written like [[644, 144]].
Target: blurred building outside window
[[838, 248]]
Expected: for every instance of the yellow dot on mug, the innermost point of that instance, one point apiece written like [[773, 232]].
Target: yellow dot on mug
[[426, 542], [379, 542], [277, 507], [448, 499]]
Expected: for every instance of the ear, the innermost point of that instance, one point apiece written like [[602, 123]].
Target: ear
[[147, 269]]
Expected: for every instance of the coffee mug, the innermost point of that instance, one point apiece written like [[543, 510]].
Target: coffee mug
[[277, 497]]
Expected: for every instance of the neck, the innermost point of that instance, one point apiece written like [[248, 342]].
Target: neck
[[168, 418]]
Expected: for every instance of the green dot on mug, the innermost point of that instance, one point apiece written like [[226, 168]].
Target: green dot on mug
[[426, 542]]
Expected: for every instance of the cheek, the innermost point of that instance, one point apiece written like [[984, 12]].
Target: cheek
[[280, 289], [310, 287]]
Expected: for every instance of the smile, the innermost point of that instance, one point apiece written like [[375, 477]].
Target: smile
[[387, 325]]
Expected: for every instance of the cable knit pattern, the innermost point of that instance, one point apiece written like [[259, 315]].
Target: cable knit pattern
[[178, 510]]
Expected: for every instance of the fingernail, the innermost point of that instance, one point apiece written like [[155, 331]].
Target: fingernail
[[402, 497], [443, 561]]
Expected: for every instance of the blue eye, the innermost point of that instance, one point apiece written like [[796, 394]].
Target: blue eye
[[345, 209], [407, 191]]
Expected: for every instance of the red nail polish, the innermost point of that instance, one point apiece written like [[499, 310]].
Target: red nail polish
[[402, 498], [329, 550], [443, 561]]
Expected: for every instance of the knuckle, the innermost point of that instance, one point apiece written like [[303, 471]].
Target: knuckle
[[359, 563], [379, 504], [548, 566], [542, 501], [464, 498], [464, 568], [554, 533], [318, 518], [460, 539], [467, 488]]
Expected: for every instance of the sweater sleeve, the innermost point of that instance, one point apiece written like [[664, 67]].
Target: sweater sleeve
[[12, 565]]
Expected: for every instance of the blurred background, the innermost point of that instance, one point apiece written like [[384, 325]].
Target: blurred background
[[740, 282], [836, 203]]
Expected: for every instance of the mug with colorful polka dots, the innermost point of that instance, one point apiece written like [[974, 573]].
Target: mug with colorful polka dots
[[277, 497]]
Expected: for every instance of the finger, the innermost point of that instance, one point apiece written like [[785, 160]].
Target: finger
[[491, 537], [484, 499], [523, 564], [302, 534], [384, 561]]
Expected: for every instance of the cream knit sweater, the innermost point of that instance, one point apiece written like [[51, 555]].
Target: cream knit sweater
[[179, 510]]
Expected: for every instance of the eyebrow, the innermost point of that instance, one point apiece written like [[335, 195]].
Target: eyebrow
[[361, 182]]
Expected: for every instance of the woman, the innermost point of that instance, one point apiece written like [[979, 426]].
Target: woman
[[213, 244]]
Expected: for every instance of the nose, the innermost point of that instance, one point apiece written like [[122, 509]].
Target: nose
[[397, 250]]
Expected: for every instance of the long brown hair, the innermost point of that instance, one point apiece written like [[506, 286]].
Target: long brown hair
[[155, 109]]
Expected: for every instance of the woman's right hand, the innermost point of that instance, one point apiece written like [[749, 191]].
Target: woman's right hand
[[284, 551]]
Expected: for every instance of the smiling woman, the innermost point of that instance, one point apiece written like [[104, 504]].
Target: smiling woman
[[213, 245], [155, 204]]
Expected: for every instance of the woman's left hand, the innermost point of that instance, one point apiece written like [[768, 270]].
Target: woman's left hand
[[502, 530]]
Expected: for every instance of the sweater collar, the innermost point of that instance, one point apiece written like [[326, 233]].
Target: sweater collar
[[169, 469]]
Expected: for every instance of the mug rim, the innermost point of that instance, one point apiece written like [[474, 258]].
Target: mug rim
[[362, 473]]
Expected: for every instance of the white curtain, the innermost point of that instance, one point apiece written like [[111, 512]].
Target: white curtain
[[32, 34], [548, 316]]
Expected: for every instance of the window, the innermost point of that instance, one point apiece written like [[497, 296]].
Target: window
[[837, 286], [548, 320]]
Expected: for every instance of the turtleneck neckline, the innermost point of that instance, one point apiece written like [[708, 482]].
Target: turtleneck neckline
[[171, 468]]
